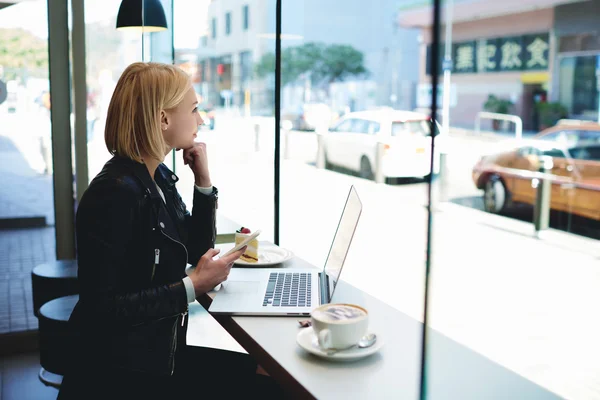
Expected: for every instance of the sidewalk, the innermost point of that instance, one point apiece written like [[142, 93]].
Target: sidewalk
[[26, 220]]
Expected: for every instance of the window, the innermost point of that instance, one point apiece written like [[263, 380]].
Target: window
[[551, 136], [245, 66], [588, 153], [555, 153], [246, 17], [373, 127], [344, 126], [529, 151], [588, 136], [214, 28], [420, 128], [228, 24], [571, 138], [578, 86], [360, 126]]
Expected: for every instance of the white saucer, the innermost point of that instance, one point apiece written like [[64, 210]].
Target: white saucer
[[268, 255], [307, 339]]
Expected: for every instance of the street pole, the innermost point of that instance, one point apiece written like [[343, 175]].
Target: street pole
[[598, 84], [543, 186], [447, 68]]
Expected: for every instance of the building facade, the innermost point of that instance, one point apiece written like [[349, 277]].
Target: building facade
[[240, 33], [522, 52]]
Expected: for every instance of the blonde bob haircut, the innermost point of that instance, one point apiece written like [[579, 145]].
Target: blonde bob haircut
[[133, 122]]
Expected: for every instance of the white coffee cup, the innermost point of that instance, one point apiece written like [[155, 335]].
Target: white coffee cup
[[339, 326]]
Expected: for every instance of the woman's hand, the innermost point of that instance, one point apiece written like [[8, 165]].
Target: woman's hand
[[197, 159], [209, 273]]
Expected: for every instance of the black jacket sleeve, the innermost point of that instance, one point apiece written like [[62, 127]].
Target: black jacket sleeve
[[108, 218], [201, 225]]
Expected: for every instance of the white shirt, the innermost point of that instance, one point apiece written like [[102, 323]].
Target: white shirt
[[187, 281]]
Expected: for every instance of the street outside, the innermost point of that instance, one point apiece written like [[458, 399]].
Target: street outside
[[528, 304]]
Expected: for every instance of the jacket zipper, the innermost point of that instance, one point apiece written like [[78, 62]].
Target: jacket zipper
[[156, 261], [176, 241], [183, 315]]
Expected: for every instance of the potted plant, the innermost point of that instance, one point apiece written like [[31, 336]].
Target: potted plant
[[550, 113], [497, 105]]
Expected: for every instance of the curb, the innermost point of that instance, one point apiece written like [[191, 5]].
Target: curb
[[23, 222]]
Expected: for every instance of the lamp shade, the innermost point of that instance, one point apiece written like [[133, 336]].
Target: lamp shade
[[130, 16]]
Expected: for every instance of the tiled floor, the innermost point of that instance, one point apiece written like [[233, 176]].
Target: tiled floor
[[19, 379], [20, 251]]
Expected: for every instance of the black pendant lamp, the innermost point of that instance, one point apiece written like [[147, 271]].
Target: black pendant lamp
[[130, 16]]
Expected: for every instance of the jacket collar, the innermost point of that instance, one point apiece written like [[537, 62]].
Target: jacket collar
[[163, 175]]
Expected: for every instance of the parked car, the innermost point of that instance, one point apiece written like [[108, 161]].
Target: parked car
[[352, 143], [508, 177]]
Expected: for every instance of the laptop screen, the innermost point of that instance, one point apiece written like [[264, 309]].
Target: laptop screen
[[343, 237]]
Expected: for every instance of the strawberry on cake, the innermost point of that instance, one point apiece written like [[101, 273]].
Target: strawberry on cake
[[251, 253]]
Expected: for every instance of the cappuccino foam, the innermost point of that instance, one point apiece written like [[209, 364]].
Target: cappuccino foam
[[338, 313]]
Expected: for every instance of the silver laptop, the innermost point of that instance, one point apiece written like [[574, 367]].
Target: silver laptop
[[289, 291]]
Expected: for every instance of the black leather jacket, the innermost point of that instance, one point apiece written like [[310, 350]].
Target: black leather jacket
[[132, 251]]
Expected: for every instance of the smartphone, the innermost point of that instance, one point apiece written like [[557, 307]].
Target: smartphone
[[243, 243]]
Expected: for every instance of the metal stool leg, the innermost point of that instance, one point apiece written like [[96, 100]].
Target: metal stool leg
[[50, 379]]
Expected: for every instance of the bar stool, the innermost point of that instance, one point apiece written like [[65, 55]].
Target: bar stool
[[52, 280], [55, 338]]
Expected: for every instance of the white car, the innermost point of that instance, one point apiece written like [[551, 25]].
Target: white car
[[405, 135]]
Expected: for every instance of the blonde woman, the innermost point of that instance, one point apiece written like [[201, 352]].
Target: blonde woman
[[134, 238]]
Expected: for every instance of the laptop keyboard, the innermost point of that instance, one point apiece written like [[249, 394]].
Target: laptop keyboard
[[288, 289]]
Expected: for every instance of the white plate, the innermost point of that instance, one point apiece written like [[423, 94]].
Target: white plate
[[307, 339], [268, 255]]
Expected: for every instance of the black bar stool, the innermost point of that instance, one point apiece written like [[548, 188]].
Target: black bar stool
[[52, 280], [55, 338]]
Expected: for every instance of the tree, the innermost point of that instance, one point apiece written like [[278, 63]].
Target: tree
[[340, 62], [325, 64], [21, 52]]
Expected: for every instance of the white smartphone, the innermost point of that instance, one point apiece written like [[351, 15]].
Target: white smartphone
[[243, 243]]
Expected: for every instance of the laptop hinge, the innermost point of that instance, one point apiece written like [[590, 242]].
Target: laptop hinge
[[324, 288]]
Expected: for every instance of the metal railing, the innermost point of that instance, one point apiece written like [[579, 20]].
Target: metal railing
[[502, 117]]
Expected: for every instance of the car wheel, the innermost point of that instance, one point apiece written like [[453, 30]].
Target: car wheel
[[494, 195], [366, 171]]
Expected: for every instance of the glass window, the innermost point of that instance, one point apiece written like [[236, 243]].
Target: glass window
[[228, 23], [529, 151], [360, 126], [578, 87], [245, 67], [246, 17], [236, 104], [589, 153], [420, 128], [26, 161], [555, 153], [552, 136], [374, 127], [345, 126], [570, 138], [588, 136]]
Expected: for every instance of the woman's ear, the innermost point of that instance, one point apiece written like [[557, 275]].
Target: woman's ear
[[164, 120]]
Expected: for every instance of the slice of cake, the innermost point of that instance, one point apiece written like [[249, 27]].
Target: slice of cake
[[251, 253]]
